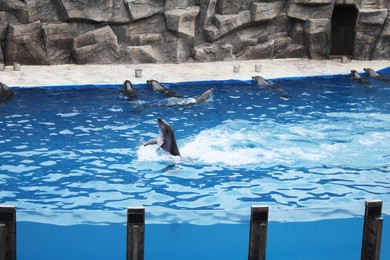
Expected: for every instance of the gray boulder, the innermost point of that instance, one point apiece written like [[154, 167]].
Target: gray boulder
[[182, 21], [24, 44], [306, 12], [296, 32], [225, 24], [19, 11], [96, 11], [99, 46], [263, 11], [44, 10], [292, 51], [3, 32], [3, 25], [363, 45], [58, 39], [314, 2], [213, 52], [139, 9], [138, 54], [205, 18], [370, 21], [368, 26], [151, 25], [381, 50], [178, 4], [241, 41], [260, 51], [317, 33], [226, 7]]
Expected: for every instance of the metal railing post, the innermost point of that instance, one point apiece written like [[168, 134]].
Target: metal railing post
[[258, 232]]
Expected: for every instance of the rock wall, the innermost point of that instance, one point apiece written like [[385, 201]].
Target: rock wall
[[46, 32]]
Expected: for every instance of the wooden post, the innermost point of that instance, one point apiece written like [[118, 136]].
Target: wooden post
[[8, 232], [135, 233], [372, 231], [2, 241], [258, 232]]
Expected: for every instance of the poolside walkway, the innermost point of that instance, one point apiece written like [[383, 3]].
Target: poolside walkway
[[117, 74]]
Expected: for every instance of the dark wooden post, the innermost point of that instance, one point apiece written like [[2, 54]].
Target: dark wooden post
[[372, 232], [258, 232], [135, 233], [7, 232]]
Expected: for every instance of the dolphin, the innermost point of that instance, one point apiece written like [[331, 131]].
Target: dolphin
[[156, 86], [204, 96], [5, 93], [260, 81], [170, 102], [166, 138], [174, 101], [373, 74], [129, 91], [355, 75]]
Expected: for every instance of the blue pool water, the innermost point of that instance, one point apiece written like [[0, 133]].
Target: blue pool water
[[73, 156]]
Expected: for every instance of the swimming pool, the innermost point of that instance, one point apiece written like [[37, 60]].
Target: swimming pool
[[73, 156]]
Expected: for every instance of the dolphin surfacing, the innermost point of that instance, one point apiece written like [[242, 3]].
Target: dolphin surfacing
[[373, 74], [156, 86], [356, 76], [129, 91], [260, 81], [205, 96], [166, 138], [5, 93]]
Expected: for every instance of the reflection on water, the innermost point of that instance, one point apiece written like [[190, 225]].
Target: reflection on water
[[81, 149]]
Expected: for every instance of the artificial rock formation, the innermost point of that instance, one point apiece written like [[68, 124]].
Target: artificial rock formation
[[53, 32]]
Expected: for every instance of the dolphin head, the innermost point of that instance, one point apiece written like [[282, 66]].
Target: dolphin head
[[166, 138], [205, 96], [128, 86], [155, 85], [129, 90], [355, 74], [260, 81], [5, 92], [371, 73]]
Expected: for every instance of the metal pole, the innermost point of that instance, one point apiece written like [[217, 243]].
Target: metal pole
[[135, 233], [372, 231], [258, 232]]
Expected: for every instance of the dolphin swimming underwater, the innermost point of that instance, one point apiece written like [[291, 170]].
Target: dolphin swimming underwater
[[166, 138], [156, 86], [373, 74], [5, 93], [129, 91], [260, 81], [355, 75]]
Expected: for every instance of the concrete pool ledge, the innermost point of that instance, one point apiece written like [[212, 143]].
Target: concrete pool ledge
[[182, 72]]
